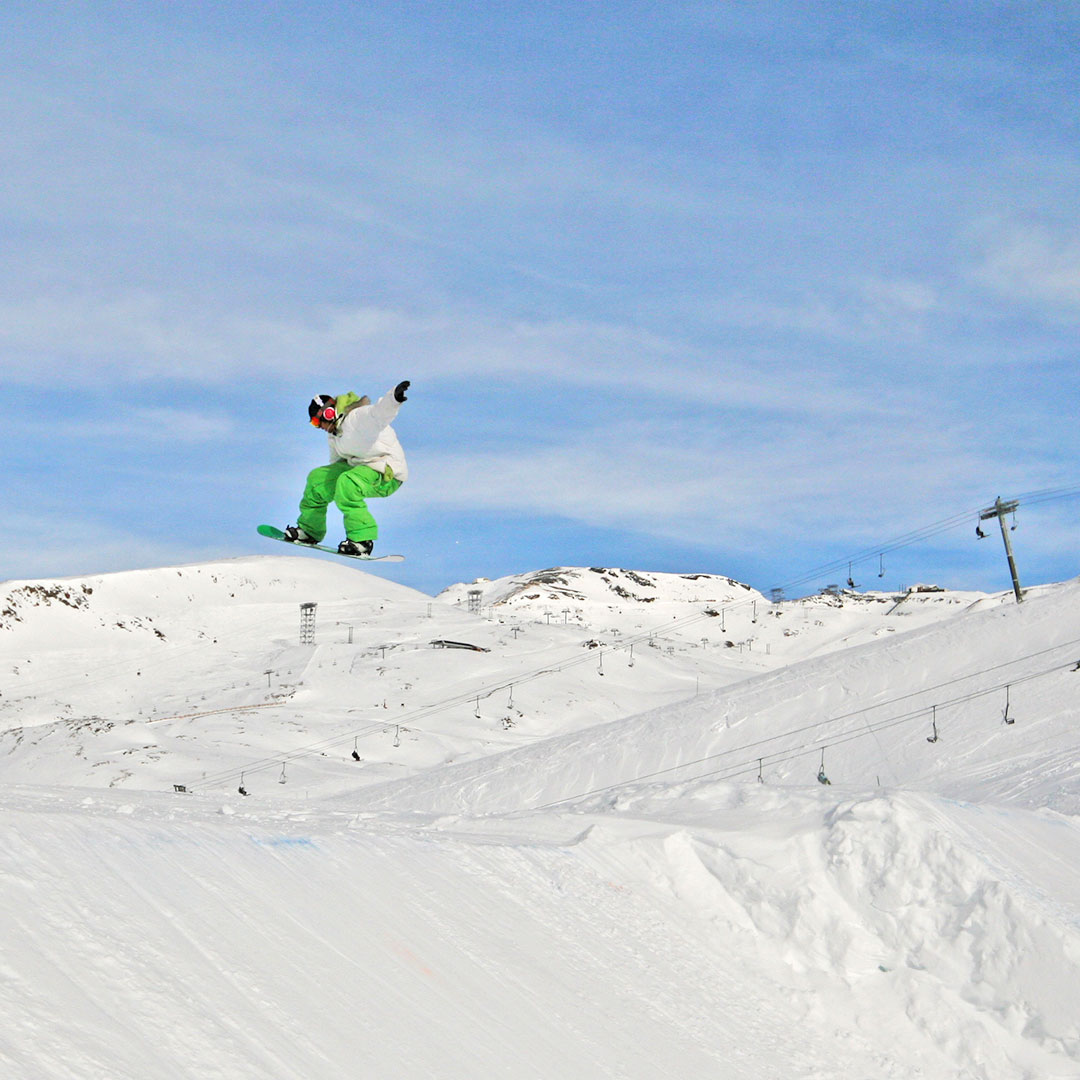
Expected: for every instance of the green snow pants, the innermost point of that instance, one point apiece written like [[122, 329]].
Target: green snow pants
[[348, 486]]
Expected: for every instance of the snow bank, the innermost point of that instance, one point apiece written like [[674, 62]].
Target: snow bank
[[902, 911]]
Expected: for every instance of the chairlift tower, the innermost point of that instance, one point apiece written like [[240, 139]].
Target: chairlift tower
[[475, 598], [307, 624], [999, 510]]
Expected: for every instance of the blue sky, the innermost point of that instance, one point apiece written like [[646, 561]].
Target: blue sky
[[747, 288]]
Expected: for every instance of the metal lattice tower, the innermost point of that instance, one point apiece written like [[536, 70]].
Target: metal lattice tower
[[307, 624], [475, 596]]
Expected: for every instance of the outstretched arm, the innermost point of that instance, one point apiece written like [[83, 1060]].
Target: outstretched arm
[[386, 408]]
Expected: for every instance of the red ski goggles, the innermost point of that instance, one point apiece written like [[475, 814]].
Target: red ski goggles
[[329, 414]]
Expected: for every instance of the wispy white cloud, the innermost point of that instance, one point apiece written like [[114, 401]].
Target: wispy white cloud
[[697, 483], [132, 421], [144, 337], [752, 269], [865, 309], [64, 543], [140, 339], [1032, 263]]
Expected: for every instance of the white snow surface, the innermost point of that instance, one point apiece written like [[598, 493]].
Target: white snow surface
[[563, 825]]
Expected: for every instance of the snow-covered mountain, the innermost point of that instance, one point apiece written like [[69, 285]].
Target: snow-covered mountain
[[579, 822], [160, 677]]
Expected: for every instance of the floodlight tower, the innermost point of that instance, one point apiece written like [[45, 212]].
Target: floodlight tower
[[307, 624]]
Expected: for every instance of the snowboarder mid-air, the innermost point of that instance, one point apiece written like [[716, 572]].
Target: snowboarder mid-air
[[366, 462]]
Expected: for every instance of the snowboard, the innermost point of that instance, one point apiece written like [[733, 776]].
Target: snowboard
[[276, 534]]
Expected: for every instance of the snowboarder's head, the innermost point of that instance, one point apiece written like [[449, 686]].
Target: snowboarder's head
[[321, 410]]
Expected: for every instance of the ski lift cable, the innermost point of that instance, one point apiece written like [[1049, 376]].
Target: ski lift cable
[[102, 671], [274, 761], [1041, 495], [748, 766], [794, 753], [1039, 499], [446, 704], [904, 540], [926, 532], [876, 552], [1048, 494], [919, 710], [411, 718], [835, 738], [807, 750], [521, 678], [870, 554]]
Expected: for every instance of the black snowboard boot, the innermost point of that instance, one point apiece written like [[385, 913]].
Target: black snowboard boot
[[295, 535], [355, 547]]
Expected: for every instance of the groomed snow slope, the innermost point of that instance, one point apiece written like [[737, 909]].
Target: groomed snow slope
[[735, 930], [609, 893], [866, 713]]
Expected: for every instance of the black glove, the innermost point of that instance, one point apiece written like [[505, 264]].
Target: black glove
[[399, 391]]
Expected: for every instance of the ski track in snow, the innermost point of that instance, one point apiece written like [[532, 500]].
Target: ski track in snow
[[568, 884]]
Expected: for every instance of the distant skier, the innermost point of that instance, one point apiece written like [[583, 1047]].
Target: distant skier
[[366, 462]]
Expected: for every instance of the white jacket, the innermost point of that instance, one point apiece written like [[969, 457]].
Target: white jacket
[[363, 436]]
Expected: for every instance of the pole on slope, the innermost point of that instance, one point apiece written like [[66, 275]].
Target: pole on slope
[[999, 510]]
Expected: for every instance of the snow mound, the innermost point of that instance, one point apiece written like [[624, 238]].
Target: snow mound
[[896, 905], [89, 666], [176, 600]]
